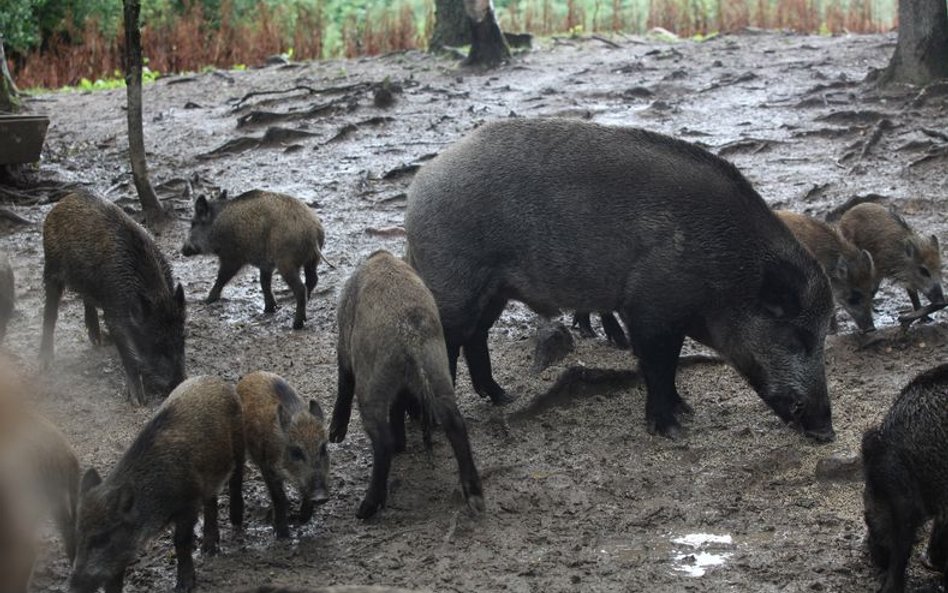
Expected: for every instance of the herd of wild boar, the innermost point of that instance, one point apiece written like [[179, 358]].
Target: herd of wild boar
[[557, 214]]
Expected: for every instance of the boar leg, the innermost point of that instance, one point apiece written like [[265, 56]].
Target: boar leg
[[581, 320], [237, 495], [938, 546], [453, 423], [92, 323], [212, 534], [375, 420], [342, 411], [54, 293], [396, 419], [309, 270], [278, 497], [227, 271], [292, 277], [183, 545], [658, 359], [917, 304], [614, 331], [478, 356], [266, 285], [133, 378]]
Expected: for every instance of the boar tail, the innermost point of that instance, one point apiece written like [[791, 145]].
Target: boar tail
[[427, 398], [323, 257]]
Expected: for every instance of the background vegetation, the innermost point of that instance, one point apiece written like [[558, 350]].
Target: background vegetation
[[51, 43]]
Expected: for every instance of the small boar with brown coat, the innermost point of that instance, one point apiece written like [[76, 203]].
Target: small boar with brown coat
[[850, 270], [39, 476], [286, 440], [178, 463], [392, 357], [265, 229], [899, 252]]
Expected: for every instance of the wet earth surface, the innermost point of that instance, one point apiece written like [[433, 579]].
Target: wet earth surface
[[579, 496]]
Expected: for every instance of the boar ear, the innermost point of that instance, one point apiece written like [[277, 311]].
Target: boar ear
[[840, 270], [934, 240], [179, 295], [126, 499], [780, 289], [910, 249], [868, 259], [90, 479], [201, 209], [314, 409], [284, 417]]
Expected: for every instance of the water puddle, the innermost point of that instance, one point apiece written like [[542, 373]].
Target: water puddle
[[695, 553]]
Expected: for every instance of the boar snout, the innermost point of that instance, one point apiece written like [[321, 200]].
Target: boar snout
[[188, 250], [935, 294]]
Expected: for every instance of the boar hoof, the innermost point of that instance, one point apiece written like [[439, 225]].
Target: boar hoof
[[337, 435], [368, 508], [671, 430], [185, 585], [297, 324], [269, 309], [475, 504], [210, 548], [212, 298], [683, 408], [499, 397]]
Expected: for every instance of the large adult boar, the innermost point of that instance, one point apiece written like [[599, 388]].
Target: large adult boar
[[899, 252], [94, 248], [265, 229], [177, 464], [563, 214], [906, 472], [392, 358], [851, 271], [286, 440]]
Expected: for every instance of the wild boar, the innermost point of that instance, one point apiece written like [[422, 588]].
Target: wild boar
[[286, 440], [39, 477], [264, 229], [564, 214], [178, 463], [94, 248], [7, 294], [899, 252], [850, 270], [906, 471], [392, 358]]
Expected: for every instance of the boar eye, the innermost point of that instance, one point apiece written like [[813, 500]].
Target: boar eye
[[924, 272], [296, 454]]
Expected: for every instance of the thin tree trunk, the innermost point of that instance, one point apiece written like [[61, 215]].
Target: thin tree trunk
[[921, 55], [154, 214], [451, 25], [488, 46], [9, 96]]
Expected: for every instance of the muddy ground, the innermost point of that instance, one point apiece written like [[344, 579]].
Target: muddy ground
[[579, 496]]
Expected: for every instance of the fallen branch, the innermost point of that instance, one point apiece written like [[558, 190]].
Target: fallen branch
[[881, 126], [274, 136], [728, 81], [752, 145], [836, 213], [262, 117], [907, 319], [14, 217], [608, 42]]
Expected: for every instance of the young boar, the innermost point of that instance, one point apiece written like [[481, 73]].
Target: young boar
[[264, 229], [899, 252], [906, 472], [392, 358], [614, 332], [94, 248], [287, 441], [177, 464], [39, 477], [7, 294], [850, 270], [563, 214]]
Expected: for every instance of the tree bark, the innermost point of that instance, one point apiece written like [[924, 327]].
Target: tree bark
[[154, 214], [488, 46], [9, 95], [451, 25], [921, 55]]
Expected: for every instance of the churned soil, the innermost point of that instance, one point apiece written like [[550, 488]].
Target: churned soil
[[579, 497]]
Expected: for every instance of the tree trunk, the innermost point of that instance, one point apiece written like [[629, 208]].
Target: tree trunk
[[9, 96], [154, 214], [488, 46], [921, 55], [451, 25]]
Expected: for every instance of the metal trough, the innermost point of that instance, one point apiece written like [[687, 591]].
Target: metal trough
[[21, 138]]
